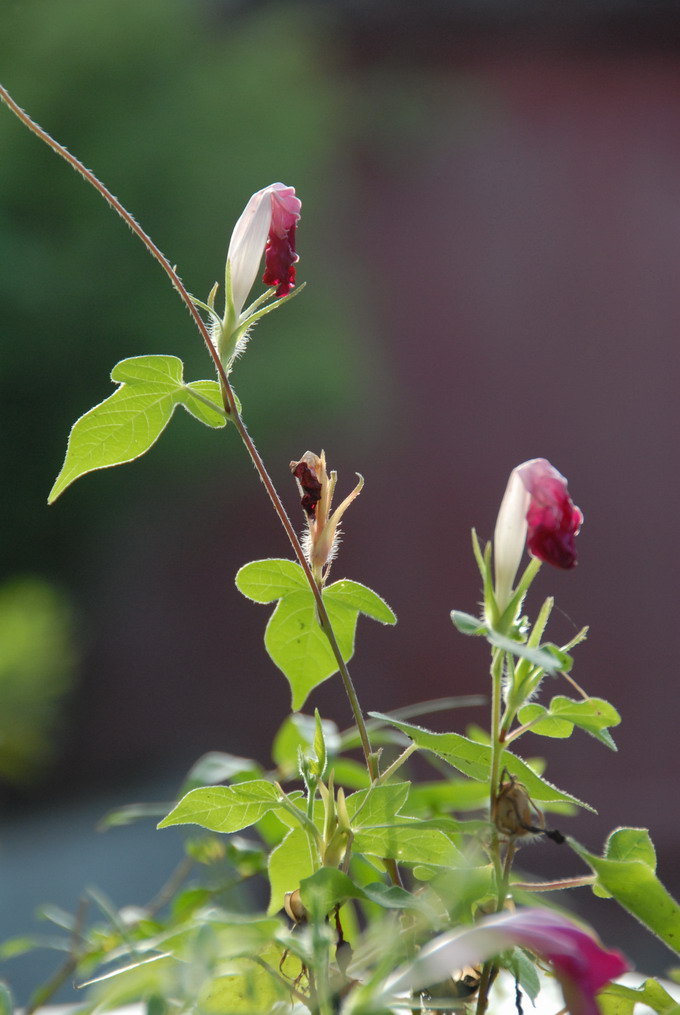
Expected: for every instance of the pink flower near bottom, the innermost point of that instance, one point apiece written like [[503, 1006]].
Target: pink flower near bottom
[[580, 963]]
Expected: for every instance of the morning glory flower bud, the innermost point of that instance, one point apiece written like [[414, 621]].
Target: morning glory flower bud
[[536, 510], [266, 226], [580, 963]]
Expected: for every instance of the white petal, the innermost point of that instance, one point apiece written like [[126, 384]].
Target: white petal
[[247, 244], [510, 536]]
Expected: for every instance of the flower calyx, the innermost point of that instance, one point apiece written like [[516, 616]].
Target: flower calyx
[[337, 830], [316, 496]]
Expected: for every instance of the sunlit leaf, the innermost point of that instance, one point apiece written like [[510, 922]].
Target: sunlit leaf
[[224, 808], [636, 887], [130, 421], [408, 842], [474, 760], [265, 581], [293, 860], [619, 999], [294, 638]]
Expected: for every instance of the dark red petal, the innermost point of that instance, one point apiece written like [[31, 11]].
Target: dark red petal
[[280, 258], [309, 485], [553, 523]]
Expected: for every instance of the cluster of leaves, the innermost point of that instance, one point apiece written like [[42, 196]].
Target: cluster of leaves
[[367, 865], [344, 842]]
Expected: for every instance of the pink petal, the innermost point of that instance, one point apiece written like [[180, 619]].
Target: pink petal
[[553, 520], [280, 255], [579, 961]]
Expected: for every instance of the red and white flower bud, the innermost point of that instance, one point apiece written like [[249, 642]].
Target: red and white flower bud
[[266, 226], [536, 510]]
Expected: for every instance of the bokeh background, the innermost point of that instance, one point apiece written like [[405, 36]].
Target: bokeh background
[[491, 240]]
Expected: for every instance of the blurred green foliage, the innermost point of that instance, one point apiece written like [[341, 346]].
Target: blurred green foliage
[[183, 108], [37, 660]]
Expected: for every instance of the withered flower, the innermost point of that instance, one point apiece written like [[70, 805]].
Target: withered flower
[[316, 497]]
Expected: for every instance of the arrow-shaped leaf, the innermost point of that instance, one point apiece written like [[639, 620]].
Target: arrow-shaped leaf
[[294, 638], [130, 421]]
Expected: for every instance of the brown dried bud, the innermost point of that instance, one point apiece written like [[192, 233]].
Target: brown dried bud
[[316, 497], [514, 813], [292, 903]]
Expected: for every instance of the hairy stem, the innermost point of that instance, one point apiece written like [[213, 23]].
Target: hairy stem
[[230, 405]]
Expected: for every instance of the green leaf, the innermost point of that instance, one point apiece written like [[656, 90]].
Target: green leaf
[[293, 637], [618, 999], [525, 973], [631, 844], [474, 760], [211, 391], [593, 715], [360, 598], [467, 624], [376, 806], [299, 647], [290, 863], [547, 726], [636, 887], [265, 581], [6, 1002], [462, 890], [247, 989], [408, 842], [548, 657], [130, 421], [329, 887], [225, 808]]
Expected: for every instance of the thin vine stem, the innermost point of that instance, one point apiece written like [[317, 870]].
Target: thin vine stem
[[230, 406], [489, 967]]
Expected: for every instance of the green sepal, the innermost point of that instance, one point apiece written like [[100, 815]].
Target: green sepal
[[474, 760], [130, 421], [466, 623], [548, 658], [626, 872], [301, 731], [294, 638]]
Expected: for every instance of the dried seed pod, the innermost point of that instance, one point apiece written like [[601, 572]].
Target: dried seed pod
[[515, 814], [293, 905]]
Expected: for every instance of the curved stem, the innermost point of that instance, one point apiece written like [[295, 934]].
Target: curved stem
[[229, 405]]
